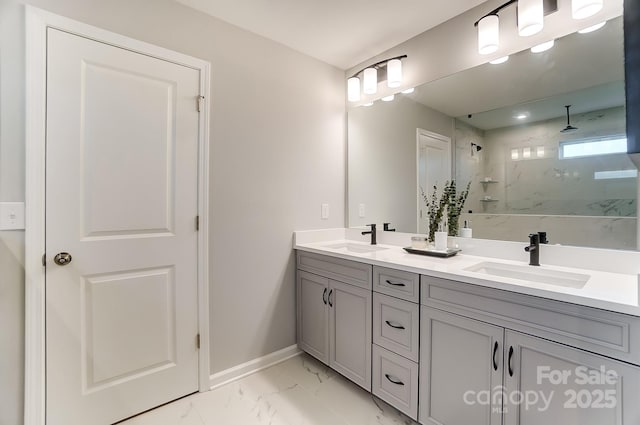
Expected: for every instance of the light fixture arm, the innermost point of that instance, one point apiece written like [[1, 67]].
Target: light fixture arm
[[378, 65], [496, 11], [550, 6]]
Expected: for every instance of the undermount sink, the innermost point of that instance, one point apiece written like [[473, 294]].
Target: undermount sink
[[531, 274], [354, 247]]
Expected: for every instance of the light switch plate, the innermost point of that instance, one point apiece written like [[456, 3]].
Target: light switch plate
[[11, 215], [361, 210], [325, 212]]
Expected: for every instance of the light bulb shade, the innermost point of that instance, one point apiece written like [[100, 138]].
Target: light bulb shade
[[530, 17], [581, 9], [353, 89], [394, 73], [488, 34], [370, 84]]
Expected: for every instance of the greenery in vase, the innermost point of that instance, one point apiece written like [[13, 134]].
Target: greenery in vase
[[455, 205], [450, 201], [435, 209]]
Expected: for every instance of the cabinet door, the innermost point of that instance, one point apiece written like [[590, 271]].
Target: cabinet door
[[548, 383], [460, 370], [313, 313], [350, 332]]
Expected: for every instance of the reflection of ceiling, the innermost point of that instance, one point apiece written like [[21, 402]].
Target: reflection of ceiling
[[595, 98], [577, 62], [342, 33]]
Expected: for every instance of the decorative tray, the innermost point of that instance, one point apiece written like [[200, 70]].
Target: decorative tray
[[450, 252]]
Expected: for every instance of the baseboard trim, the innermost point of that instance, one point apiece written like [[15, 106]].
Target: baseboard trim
[[229, 375]]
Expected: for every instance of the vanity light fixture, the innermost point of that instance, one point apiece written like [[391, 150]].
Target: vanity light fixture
[[388, 98], [530, 13], [526, 153], [499, 60], [353, 89], [543, 47], [581, 9], [515, 154], [370, 85], [388, 69], [540, 151], [592, 28]]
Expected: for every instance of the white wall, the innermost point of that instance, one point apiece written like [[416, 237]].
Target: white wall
[[277, 153]]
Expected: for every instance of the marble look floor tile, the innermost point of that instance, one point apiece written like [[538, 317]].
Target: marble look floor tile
[[299, 391]]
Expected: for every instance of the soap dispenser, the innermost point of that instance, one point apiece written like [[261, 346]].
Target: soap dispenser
[[466, 231]]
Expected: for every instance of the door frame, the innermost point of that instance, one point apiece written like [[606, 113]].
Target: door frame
[[442, 138], [37, 22]]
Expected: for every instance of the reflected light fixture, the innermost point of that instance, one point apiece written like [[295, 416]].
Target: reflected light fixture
[[368, 104], [409, 91], [526, 152], [388, 98], [530, 20], [388, 69], [592, 28], [543, 47], [581, 9], [499, 60]]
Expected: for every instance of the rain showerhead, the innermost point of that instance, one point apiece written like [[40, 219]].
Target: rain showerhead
[[569, 128]]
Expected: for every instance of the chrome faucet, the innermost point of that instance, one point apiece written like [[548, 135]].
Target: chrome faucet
[[533, 249], [371, 232]]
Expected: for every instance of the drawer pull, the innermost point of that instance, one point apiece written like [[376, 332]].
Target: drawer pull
[[324, 296], [394, 326], [394, 283], [510, 361], [330, 303], [495, 351], [393, 381]]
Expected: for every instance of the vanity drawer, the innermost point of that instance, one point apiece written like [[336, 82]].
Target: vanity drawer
[[346, 271], [395, 380], [396, 283], [395, 325], [604, 332]]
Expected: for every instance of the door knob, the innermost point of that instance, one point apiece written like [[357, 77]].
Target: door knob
[[62, 259]]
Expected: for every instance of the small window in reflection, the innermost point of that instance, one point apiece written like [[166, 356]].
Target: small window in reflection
[[615, 174], [593, 147]]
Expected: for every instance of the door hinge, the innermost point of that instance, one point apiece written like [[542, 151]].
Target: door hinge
[[199, 102], [197, 222], [198, 341], [44, 260]]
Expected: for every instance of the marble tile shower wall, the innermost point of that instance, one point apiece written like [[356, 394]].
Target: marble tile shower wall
[[545, 184], [545, 192]]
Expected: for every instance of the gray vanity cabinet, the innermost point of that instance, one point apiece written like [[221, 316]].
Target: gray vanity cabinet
[[350, 332], [334, 317], [564, 385], [460, 361]]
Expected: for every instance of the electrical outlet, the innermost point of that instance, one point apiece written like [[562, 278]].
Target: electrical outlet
[[11, 215], [361, 211], [325, 212]]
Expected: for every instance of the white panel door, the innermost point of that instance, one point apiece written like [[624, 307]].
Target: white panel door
[[121, 199], [434, 169]]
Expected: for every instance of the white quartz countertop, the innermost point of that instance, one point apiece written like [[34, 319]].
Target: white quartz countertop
[[605, 290]]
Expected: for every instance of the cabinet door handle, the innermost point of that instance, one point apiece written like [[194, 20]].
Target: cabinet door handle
[[510, 361], [495, 351], [394, 283], [324, 296], [393, 381], [330, 292], [394, 326]]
